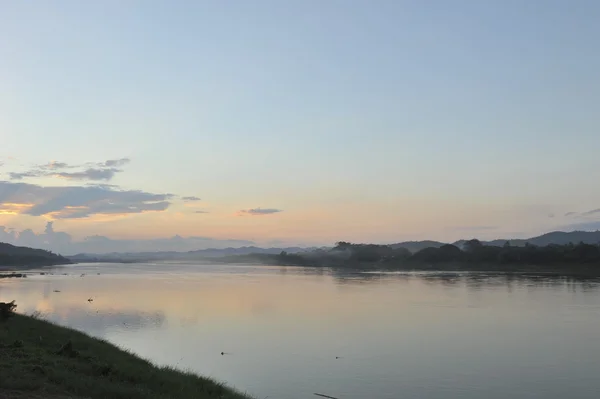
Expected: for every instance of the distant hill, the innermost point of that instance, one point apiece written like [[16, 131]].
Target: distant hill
[[559, 237], [211, 253], [416, 246], [11, 255], [182, 256], [555, 237]]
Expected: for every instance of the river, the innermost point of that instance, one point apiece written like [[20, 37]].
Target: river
[[288, 333]]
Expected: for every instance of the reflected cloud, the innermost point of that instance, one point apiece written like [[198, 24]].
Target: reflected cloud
[[471, 280], [98, 322], [124, 297]]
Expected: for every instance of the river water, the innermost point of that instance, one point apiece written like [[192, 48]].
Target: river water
[[288, 333]]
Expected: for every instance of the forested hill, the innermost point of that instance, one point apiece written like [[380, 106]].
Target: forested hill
[[11, 255], [568, 259], [555, 237]]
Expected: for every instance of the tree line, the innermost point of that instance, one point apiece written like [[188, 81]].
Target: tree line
[[472, 255]]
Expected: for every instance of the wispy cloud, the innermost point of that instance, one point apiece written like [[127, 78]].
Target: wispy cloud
[[57, 165], [201, 212], [191, 198], [588, 213], [583, 220], [592, 212], [582, 226], [473, 228], [23, 175], [102, 185], [111, 163], [89, 174], [93, 171], [258, 211]]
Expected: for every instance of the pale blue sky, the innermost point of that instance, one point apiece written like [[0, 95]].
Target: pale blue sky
[[375, 120]]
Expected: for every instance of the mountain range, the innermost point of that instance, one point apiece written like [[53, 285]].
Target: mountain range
[[556, 237], [182, 256]]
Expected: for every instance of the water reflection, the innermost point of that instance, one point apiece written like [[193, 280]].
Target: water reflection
[[295, 331], [98, 322], [471, 280]]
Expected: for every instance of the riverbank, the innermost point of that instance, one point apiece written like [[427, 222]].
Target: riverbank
[[31, 266], [41, 359], [13, 275]]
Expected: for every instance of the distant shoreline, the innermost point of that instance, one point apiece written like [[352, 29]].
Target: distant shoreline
[[20, 268], [562, 270], [572, 269], [567, 271]]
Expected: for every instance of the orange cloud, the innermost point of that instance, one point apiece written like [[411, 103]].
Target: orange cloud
[[94, 218], [11, 208]]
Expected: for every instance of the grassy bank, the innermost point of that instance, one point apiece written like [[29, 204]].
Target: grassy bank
[[41, 359]]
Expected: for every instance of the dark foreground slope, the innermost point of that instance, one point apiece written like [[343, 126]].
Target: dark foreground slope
[[36, 360]]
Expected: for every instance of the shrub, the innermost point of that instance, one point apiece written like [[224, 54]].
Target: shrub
[[7, 309]]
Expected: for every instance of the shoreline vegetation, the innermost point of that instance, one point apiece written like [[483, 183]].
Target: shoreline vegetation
[[13, 275], [569, 259], [39, 359], [553, 253]]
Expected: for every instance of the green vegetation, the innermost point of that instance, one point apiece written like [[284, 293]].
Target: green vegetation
[[12, 256], [474, 255], [40, 359]]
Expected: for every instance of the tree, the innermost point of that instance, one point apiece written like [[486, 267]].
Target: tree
[[473, 245], [342, 245], [7, 309]]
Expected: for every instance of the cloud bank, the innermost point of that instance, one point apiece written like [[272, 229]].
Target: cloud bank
[[74, 202], [91, 195], [63, 243], [78, 201]]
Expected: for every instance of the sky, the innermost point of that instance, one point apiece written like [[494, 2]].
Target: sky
[[298, 122]]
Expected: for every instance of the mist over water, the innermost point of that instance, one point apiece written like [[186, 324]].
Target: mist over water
[[395, 335]]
